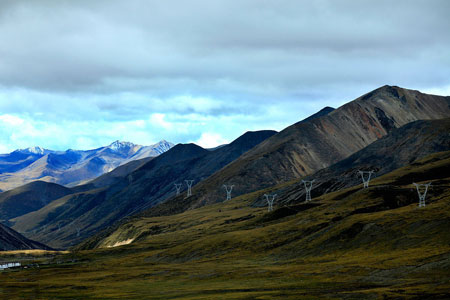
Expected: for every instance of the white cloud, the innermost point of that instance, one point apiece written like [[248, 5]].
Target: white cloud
[[157, 119], [85, 143], [442, 90], [4, 149], [11, 120], [211, 140]]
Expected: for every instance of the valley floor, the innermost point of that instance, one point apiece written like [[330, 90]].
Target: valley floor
[[357, 243], [346, 275]]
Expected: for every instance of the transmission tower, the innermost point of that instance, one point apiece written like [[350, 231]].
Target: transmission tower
[[228, 188], [365, 175], [422, 192], [178, 187], [308, 188], [189, 185], [270, 199]]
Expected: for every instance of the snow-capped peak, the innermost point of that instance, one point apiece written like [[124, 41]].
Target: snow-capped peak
[[34, 150], [162, 146], [118, 145]]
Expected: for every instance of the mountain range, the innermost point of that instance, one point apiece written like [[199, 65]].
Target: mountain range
[[70, 167], [308, 146], [118, 194], [253, 162], [400, 147]]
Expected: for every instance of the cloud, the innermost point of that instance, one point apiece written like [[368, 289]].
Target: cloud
[[90, 69], [11, 120], [440, 90], [172, 47], [211, 140]]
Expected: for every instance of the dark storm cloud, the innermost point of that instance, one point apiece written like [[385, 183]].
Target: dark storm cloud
[[168, 47]]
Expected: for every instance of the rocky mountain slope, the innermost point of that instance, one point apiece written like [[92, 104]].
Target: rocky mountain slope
[[70, 167], [12, 240], [306, 147], [74, 217], [399, 148]]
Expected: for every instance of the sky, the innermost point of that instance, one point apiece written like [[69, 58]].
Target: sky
[[82, 74]]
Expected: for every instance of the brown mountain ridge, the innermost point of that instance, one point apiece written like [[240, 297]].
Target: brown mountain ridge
[[306, 147]]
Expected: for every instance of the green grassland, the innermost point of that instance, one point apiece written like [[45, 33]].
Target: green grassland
[[356, 243]]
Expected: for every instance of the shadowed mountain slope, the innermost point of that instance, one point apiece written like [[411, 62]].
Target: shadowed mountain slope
[[145, 187], [28, 198], [306, 147], [12, 240]]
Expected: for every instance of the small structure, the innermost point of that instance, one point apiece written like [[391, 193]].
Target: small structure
[[9, 265], [189, 185], [308, 188], [365, 175], [228, 188], [422, 190], [178, 187], [270, 199]]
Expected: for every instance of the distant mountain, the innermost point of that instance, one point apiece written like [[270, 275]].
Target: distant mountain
[[315, 143], [71, 167], [120, 193], [152, 151], [20, 159], [12, 240], [115, 175]]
